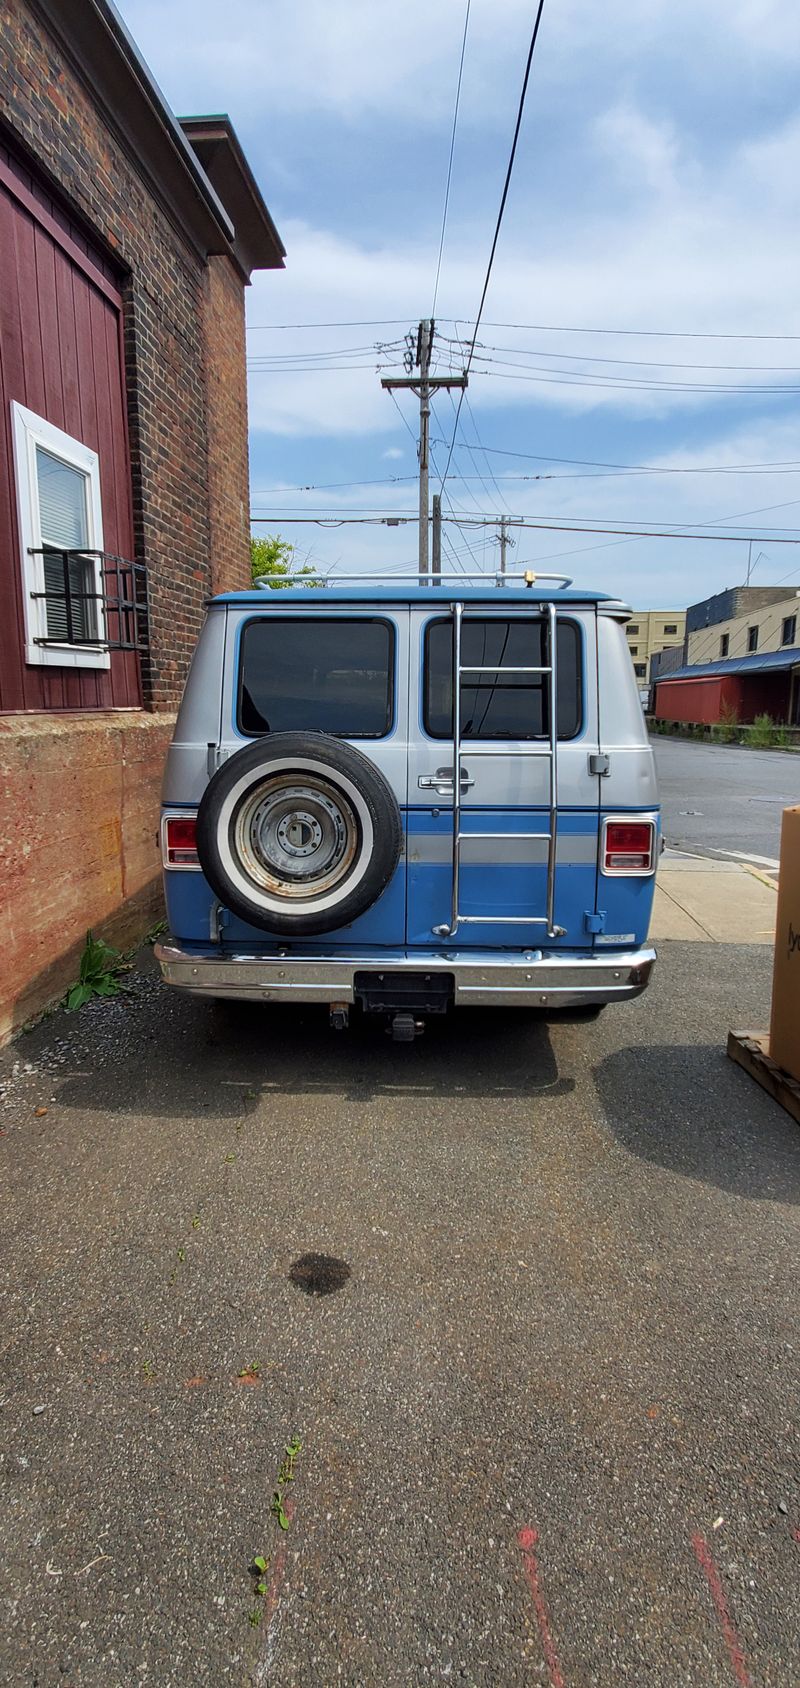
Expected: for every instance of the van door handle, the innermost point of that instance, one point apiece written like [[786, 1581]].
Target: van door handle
[[442, 781]]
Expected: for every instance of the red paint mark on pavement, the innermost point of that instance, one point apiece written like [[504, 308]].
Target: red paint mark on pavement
[[527, 1540], [194, 1382], [736, 1656], [273, 1594], [796, 1534]]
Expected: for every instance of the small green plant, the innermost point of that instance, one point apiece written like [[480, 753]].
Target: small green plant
[[229, 1159], [285, 1476], [783, 738], [181, 1254], [762, 733], [254, 1617], [259, 1569], [148, 1369], [99, 975], [156, 931], [195, 1221], [250, 1371]]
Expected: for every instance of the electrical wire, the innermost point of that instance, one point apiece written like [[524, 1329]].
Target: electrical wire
[[641, 333], [641, 363], [787, 464], [450, 159], [528, 327], [498, 224]]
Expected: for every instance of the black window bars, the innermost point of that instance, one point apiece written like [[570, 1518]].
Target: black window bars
[[122, 600]]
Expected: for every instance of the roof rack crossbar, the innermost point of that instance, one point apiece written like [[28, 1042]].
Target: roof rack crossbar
[[529, 577]]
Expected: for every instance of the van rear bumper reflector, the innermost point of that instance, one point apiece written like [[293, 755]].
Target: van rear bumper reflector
[[535, 977]]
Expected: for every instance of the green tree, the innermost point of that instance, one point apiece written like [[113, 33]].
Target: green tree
[[272, 557]]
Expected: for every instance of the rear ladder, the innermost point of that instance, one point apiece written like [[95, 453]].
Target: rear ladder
[[550, 753]]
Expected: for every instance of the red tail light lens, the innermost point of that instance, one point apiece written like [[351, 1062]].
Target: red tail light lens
[[629, 847], [180, 841]]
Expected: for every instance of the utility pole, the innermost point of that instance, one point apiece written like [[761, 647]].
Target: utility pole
[[436, 553], [504, 540], [423, 385]]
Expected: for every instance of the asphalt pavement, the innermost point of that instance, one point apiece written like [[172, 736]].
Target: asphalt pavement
[[525, 1292], [725, 797]]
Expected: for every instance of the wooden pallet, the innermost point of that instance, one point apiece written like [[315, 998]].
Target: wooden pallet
[[751, 1051]]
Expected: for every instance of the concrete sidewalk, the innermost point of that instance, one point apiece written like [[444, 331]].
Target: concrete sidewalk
[[701, 899]]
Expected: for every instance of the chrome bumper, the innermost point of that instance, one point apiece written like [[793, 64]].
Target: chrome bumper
[[482, 978]]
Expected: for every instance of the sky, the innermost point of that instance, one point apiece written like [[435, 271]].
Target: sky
[[638, 361]]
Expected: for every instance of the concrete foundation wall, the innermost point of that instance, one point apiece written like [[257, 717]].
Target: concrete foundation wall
[[79, 806]]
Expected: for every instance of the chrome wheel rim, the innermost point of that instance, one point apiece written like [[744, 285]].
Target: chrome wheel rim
[[295, 838]]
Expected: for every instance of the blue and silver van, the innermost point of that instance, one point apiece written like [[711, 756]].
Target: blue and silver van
[[411, 797]]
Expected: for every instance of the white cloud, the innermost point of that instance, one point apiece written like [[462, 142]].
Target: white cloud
[[393, 453]]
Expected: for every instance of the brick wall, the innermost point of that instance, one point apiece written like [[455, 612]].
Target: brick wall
[[79, 808], [226, 402], [79, 793], [181, 317]]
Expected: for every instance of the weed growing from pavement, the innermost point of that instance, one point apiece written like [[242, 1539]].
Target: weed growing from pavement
[[285, 1476], [99, 974], [102, 966], [250, 1371], [260, 1563], [259, 1569]]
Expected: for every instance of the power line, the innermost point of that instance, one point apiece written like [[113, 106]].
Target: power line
[[504, 480], [625, 383], [369, 322], [498, 225], [642, 333], [787, 463], [642, 363], [528, 327], [450, 160]]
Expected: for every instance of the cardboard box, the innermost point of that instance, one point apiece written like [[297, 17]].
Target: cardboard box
[[784, 1033]]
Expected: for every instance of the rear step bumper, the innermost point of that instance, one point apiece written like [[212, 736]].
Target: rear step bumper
[[482, 978]]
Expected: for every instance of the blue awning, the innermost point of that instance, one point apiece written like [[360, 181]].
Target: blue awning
[[760, 662]]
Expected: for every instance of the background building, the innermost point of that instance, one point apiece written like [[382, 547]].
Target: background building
[[126, 242], [649, 631], [741, 659]]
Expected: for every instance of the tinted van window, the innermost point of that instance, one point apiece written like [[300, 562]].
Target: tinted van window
[[325, 675], [498, 705]]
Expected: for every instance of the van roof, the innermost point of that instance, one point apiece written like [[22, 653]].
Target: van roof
[[403, 593]]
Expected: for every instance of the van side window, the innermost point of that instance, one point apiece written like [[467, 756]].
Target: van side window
[[498, 706], [317, 674]]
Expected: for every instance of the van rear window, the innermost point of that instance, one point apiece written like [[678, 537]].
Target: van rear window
[[332, 675], [498, 705]]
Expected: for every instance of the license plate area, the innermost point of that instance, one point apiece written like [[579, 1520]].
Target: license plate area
[[390, 993]]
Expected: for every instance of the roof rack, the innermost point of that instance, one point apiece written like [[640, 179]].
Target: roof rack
[[529, 577]]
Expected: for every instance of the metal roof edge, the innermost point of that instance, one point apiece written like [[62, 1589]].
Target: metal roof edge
[[497, 596], [86, 27]]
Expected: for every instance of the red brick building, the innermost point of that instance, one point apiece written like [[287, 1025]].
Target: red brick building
[[126, 241]]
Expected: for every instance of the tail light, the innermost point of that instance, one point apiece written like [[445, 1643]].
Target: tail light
[[179, 841], [628, 846]]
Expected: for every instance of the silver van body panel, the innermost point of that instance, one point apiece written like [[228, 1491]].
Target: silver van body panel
[[631, 780]]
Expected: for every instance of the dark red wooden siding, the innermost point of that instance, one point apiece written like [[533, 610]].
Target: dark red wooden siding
[[61, 356]]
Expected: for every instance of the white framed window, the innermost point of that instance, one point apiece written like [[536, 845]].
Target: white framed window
[[58, 500]]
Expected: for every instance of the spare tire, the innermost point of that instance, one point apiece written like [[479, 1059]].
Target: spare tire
[[298, 833]]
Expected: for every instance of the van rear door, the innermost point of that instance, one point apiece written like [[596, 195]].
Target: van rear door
[[505, 777], [330, 667]]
